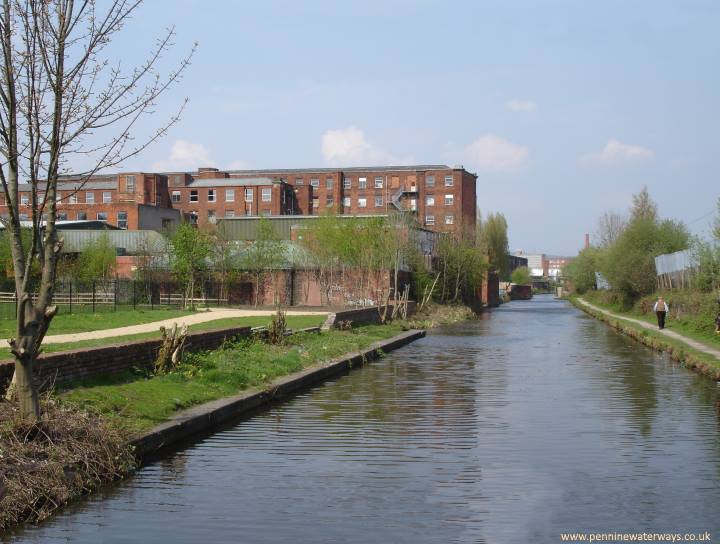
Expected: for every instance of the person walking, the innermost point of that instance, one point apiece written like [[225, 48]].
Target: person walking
[[661, 309]]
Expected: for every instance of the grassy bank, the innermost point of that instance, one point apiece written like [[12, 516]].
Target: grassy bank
[[692, 313], [678, 351], [134, 402]]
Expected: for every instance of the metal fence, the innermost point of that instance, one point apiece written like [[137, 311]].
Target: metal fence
[[75, 297], [675, 269]]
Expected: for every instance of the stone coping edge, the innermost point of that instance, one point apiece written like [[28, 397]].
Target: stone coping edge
[[207, 416]]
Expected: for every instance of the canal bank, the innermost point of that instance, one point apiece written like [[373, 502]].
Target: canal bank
[[531, 421], [24, 498], [700, 358]]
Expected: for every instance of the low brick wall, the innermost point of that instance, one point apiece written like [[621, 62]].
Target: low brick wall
[[362, 316], [65, 366]]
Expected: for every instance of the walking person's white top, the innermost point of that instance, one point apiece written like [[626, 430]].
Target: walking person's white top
[[663, 308]]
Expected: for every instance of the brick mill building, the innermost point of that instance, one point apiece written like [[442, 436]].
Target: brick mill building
[[443, 198]]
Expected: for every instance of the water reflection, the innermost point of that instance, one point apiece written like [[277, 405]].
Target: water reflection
[[530, 421]]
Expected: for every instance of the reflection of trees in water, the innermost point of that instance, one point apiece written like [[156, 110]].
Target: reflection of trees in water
[[628, 370], [408, 394]]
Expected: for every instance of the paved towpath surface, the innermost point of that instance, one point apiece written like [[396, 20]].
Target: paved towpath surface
[[192, 319], [700, 346]]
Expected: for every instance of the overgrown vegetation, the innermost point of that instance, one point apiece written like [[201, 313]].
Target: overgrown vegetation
[[520, 276], [46, 463]]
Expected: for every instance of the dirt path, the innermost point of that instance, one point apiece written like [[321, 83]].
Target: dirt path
[[700, 346], [189, 320]]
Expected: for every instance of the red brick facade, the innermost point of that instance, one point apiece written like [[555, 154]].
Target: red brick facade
[[443, 198]]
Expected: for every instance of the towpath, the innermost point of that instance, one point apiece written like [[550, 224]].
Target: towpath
[[700, 346], [192, 319]]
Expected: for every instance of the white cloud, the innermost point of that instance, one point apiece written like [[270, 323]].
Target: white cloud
[[238, 165], [521, 105], [615, 151], [349, 147], [491, 153], [184, 155]]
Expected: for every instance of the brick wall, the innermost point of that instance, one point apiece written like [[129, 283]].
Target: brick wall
[[92, 362]]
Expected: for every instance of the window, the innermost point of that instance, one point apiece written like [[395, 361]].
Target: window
[[82, 216], [449, 219], [449, 181], [193, 195], [347, 183], [248, 211], [229, 195], [429, 219], [449, 199], [211, 216], [102, 216], [122, 222], [346, 201], [176, 196], [41, 198], [378, 201], [211, 195], [362, 202], [267, 194], [73, 198], [362, 183], [89, 197], [378, 182], [430, 200], [61, 216], [430, 181], [107, 197], [129, 184], [299, 182], [329, 201], [24, 200], [24, 217], [248, 194], [316, 202], [229, 213], [58, 197], [315, 182]]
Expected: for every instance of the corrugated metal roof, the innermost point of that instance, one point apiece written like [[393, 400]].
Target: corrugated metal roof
[[246, 228], [229, 182], [132, 241]]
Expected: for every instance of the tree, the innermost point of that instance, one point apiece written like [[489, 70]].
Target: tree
[[190, 248], [629, 264], [707, 255], [643, 206], [520, 276], [62, 102], [493, 239], [264, 257], [98, 260], [581, 270], [609, 227]]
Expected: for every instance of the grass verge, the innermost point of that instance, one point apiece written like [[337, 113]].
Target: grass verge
[[72, 323], [293, 322], [135, 401], [678, 351]]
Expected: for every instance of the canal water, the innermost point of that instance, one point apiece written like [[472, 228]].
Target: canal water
[[532, 421]]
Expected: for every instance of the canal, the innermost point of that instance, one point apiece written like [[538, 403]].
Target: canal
[[531, 421]]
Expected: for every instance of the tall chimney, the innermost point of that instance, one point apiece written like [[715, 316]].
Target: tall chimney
[[587, 240]]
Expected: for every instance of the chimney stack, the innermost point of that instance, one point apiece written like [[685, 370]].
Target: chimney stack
[[587, 240]]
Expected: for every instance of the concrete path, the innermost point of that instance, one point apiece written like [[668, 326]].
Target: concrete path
[[670, 334], [189, 320]]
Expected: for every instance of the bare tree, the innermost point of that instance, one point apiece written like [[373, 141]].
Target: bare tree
[[63, 102], [609, 227]]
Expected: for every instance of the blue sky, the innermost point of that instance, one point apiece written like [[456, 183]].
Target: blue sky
[[563, 108]]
